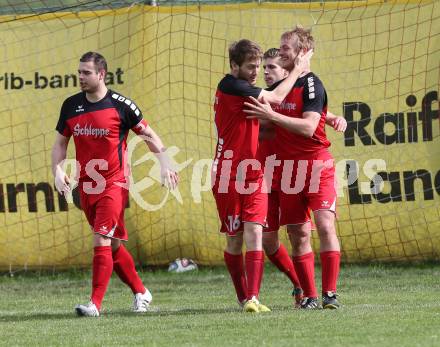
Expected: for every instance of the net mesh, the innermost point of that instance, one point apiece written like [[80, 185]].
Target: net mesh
[[379, 62]]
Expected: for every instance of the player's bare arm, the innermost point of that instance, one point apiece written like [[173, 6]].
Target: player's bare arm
[[305, 126], [276, 96], [338, 123], [59, 149], [169, 177]]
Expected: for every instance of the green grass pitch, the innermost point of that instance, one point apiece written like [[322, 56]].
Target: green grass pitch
[[384, 305]]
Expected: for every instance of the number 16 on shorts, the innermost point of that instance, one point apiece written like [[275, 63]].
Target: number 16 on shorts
[[233, 223]]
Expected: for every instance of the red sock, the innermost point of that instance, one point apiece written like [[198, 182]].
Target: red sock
[[284, 263], [102, 271], [254, 272], [305, 268], [261, 274], [330, 270], [123, 265], [234, 264]]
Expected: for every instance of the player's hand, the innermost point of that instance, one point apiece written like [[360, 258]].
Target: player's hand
[[339, 124], [258, 110], [169, 178], [62, 181], [302, 61]]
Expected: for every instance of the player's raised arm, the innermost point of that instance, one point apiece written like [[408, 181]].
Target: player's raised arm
[[277, 95], [169, 177], [59, 150]]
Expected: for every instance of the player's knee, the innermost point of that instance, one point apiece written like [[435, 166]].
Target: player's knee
[[300, 242], [234, 244], [298, 232], [253, 228], [325, 221], [300, 246], [326, 228], [101, 240], [115, 244], [327, 236], [270, 244]]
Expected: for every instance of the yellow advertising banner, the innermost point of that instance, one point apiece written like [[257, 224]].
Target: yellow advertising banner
[[379, 62]]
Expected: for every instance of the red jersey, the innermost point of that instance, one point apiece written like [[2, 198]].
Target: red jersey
[[267, 148], [237, 135], [308, 94], [100, 132]]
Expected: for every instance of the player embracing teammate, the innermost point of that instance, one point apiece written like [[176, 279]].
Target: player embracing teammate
[[306, 172], [99, 120], [274, 249], [237, 173]]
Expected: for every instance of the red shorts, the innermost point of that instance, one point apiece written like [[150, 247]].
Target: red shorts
[[271, 180], [105, 211], [234, 208], [273, 213], [312, 187]]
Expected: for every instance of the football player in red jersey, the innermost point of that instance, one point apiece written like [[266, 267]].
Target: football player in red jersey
[[275, 251], [236, 171], [99, 121], [307, 173]]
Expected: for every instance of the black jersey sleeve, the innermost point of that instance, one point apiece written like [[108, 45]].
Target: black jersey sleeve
[[62, 127], [314, 95], [238, 87], [128, 110], [134, 115], [244, 88]]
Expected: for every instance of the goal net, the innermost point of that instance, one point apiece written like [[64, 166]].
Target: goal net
[[379, 62]]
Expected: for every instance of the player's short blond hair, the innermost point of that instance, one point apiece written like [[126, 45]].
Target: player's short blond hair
[[302, 38]]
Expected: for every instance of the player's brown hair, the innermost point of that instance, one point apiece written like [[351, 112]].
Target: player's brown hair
[[98, 60], [302, 38], [271, 53], [244, 49]]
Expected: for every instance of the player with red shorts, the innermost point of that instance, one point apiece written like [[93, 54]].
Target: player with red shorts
[[99, 120], [236, 172], [274, 249], [307, 174]]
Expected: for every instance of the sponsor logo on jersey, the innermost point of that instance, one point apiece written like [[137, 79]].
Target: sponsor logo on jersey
[[288, 106], [87, 130], [79, 108]]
